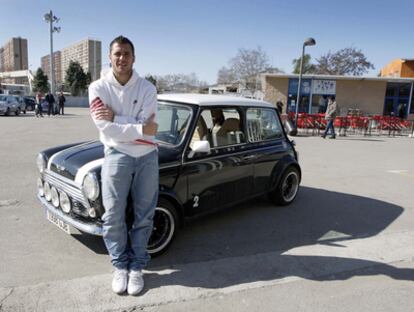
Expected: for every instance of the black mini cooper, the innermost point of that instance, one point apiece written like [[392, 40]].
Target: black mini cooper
[[214, 151]]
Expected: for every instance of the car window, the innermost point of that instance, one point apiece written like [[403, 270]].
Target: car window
[[262, 124], [172, 122], [219, 126]]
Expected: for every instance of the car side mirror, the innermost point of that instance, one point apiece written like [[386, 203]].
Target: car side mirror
[[199, 147], [290, 128]]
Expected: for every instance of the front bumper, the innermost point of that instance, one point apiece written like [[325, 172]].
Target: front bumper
[[89, 228]]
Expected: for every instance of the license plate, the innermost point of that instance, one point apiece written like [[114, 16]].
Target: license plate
[[56, 221]]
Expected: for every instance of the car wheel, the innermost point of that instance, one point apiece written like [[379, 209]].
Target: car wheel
[[24, 112], [164, 228], [7, 111], [17, 112], [288, 187]]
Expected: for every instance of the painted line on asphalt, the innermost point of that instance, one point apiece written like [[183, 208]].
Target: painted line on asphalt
[[402, 172]]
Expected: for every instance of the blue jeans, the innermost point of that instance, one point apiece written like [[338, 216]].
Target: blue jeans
[[123, 175], [330, 126]]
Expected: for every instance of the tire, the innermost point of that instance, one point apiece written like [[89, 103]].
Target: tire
[[7, 111], [17, 112], [287, 188], [164, 229]]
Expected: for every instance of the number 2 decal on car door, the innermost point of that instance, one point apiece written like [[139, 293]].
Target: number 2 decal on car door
[[196, 200]]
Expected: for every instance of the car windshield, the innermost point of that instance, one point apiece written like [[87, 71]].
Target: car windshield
[[173, 121]]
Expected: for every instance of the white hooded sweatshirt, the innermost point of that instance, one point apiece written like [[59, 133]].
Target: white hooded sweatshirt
[[132, 104]]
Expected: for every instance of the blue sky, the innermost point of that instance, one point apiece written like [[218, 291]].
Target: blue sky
[[185, 36]]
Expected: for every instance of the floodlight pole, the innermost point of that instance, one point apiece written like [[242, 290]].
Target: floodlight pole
[[50, 18]]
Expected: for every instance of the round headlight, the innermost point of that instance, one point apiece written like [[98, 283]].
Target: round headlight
[[40, 189], [41, 162], [91, 186], [92, 213], [65, 202], [48, 194], [55, 196]]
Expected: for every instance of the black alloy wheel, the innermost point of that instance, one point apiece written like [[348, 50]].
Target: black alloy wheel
[[288, 187], [164, 228]]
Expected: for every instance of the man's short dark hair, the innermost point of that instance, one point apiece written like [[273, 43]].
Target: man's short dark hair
[[122, 40]]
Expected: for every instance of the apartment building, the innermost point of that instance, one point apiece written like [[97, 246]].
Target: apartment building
[[88, 53], [57, 60], [13, 57]]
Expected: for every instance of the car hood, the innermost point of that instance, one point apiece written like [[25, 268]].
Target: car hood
[[74, 162]]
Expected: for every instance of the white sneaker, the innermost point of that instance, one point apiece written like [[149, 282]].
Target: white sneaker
[[119, 281], [135, 282]]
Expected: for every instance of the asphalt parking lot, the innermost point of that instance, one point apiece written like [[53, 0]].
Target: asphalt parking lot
[[345, 243]]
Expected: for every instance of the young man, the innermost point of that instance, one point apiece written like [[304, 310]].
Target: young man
[[50, 99], [330, 115], [123, 107], [38, 105], [61, 100]]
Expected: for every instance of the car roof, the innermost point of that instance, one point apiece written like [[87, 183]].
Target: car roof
[[211, 100]]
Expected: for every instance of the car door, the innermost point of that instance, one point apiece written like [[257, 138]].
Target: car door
[[225, 175], [267, 142], [12, 103]]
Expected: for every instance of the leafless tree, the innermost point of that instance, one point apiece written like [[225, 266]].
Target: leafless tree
[[225, 75], [179, 83], [347, 61], [245, 67]]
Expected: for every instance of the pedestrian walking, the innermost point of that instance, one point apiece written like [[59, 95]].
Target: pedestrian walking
[[123, 108], [61, 101], [38, 105], [330, 115], [50, 99], [279, 106], [401, 111]]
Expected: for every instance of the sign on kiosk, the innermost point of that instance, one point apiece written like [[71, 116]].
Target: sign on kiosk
[[324, 87]]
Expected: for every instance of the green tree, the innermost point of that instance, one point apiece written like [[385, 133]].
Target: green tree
[[76, 80], [40, 81], [151, 79], [308, 67], [88, 78]]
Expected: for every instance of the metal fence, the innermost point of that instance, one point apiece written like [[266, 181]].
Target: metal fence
[[315, 124]]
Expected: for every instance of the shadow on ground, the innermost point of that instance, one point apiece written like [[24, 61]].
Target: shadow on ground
[[257, 227], [317, 268]]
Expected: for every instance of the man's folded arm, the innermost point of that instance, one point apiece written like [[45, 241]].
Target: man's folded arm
[[122, 129]]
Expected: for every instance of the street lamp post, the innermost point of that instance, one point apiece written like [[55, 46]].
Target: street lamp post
[[308, 42], [50, 18]]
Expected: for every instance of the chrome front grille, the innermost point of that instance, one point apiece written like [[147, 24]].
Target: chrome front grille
[[68, 186]]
